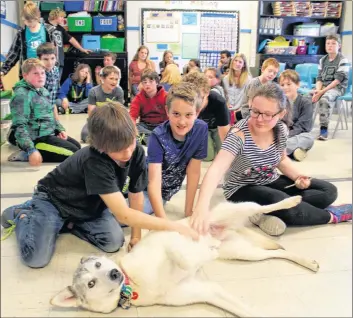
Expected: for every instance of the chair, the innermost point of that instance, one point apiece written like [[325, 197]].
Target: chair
[[282, 67], [342, 104], [314, 72], [304, 73]]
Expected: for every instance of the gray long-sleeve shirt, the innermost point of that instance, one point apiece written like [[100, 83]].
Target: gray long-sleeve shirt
[[335, 69], [302, 116]]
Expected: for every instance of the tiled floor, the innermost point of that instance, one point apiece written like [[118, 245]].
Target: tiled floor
[[273, 287]]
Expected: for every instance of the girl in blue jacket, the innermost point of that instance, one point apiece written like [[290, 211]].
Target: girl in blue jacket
[[73, 95]]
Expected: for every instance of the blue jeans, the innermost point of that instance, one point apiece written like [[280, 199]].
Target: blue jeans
[[37, 232], [134, 89]]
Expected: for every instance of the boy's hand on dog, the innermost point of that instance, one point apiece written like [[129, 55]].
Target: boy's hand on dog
[[187, 231], [200, 222], [35, 159], [303, 182], [132, 243]]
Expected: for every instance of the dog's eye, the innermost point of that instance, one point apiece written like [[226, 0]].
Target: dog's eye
[[91, 284], [98, 264]]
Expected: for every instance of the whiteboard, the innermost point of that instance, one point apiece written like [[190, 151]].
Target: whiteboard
[[189, 34]]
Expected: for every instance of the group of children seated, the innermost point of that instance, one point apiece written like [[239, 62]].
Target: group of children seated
[[98, 189]]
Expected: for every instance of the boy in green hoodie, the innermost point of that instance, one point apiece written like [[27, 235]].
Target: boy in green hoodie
[[36, 131]]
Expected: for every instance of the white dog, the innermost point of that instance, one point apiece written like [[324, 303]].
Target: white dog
[[162, 267]]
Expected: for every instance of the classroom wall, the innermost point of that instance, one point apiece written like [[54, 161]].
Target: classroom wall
[[8, 32], [347, 31], [247, 10]]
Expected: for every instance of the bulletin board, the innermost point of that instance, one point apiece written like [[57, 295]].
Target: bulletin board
[[189, 34]]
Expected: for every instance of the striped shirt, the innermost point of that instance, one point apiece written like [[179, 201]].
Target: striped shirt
[[252, 165]]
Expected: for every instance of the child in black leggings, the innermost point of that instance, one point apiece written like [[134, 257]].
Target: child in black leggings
[[251, 154]]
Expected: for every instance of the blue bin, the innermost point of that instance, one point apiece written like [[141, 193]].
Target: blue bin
[[91, 42], [312, 49], [105, 24], [74, 6]]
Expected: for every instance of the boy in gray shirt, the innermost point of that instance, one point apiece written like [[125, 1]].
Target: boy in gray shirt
[[331, 82]]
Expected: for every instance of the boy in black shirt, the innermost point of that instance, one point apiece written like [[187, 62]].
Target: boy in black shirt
[[61, 37], [214, 112], [85, 194]]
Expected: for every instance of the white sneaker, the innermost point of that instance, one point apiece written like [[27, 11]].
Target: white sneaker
[[271, 225]]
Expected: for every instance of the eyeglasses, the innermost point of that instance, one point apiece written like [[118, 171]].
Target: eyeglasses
[[254, 113]]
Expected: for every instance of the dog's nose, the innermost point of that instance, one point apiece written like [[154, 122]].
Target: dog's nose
[[114, 274]]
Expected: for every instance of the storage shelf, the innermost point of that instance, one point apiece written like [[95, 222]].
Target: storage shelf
[[102, 12], [292, 55], [97, 32], [291, 35], [296, 17]]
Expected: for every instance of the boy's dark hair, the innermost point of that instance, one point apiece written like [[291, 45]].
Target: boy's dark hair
[[110, 128], [197, 62], [151, 75], [335, 37], [46, 48], [112, 55], [226, 52]]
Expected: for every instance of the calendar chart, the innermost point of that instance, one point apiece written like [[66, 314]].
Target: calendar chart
[[188, 34]]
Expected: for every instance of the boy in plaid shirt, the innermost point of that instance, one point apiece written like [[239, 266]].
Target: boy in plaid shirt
[[46, 53]]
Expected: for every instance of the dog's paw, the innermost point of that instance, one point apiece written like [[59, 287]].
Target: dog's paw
[[292, 201], [314, 266]]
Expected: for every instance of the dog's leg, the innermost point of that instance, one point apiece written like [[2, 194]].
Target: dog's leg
[[281, 205], [240, 249], [259, 240], [193, 291]]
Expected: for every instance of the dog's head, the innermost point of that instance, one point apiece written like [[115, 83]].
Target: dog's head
[[96, 286]]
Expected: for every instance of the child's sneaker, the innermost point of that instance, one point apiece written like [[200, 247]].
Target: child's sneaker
[[299, 154], [271, 225], [341, 213], [323, 134], [18, 155], [8, 215]]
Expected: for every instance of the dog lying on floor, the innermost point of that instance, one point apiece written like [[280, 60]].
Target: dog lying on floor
[[162, 268]]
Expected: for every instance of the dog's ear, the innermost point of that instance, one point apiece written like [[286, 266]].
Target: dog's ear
[[65, 298]]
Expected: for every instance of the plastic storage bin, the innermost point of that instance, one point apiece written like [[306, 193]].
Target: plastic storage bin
[[312, 49], [79, 24], [307, 29], [74, 6], [282, 50], [113, 44], [104, 24], [91, 42], [301, 50], [48, 6]]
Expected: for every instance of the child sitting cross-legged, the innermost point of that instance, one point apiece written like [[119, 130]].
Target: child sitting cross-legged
[[149, 105], [73, 95], [36, 131]]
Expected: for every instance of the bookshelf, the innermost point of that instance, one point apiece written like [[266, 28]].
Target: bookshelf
[[103, 8], [266, 10]]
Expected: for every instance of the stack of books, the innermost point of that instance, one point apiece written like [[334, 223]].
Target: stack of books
[[334, 9], [318, 9], [283, 8], [302, 9]]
